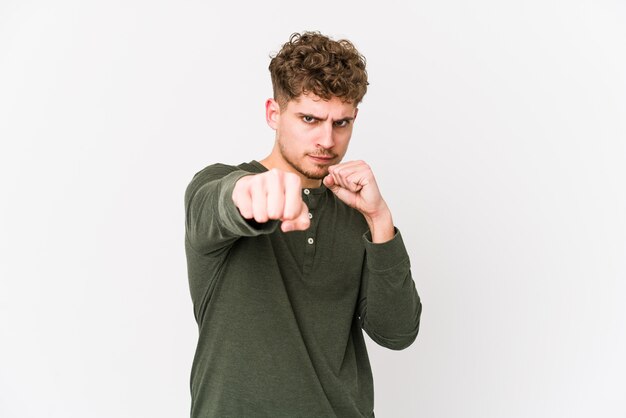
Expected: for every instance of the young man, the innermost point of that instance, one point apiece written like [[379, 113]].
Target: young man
[[291, 257]]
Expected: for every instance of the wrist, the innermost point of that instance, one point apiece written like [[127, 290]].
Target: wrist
[[381, 226]]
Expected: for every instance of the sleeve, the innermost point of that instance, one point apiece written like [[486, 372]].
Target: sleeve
[[212, 221], [389, 308]]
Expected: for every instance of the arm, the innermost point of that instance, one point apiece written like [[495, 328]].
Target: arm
[[212, 219], [223, 204], [389, 307]]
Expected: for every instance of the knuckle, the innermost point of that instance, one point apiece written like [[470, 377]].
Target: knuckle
[[257, 181], [274, 213], [293, 184], [274, 173], [242, 184], [292, 178], [260, 217], [241, 199], [275, 178]]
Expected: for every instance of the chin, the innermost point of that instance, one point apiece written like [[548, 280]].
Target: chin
[[315, 174]]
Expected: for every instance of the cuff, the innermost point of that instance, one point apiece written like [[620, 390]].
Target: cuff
[[387, 254]]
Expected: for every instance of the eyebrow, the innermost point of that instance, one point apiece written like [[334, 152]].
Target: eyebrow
[[347, 119]]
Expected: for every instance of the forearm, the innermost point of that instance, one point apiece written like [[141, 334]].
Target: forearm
[[390, 307], [212, 219]]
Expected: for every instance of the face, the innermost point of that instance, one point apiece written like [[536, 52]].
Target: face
[[311, 133]]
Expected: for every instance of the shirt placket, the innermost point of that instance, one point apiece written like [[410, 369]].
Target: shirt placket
[[311, 198]]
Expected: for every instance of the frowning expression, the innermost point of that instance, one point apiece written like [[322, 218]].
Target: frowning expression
[[311, 133]]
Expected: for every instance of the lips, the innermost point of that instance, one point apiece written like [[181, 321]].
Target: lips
[[322, 159]]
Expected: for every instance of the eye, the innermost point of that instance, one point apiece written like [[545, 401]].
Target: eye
[[342, 123], [308, 119]]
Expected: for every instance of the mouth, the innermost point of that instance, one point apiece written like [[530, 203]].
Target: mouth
[[320, 159]]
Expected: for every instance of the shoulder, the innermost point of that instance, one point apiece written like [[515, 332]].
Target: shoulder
[[219, 170], [208, 175], [214, 171]]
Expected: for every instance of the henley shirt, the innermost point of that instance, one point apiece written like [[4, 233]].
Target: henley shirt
[[280, 315]]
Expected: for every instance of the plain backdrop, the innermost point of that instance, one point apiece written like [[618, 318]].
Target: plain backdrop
[[497, 131]]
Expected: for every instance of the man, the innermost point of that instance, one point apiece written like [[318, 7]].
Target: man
[[290, 257]]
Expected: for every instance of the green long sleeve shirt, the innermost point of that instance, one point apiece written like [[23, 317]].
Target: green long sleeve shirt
[[281, 315]]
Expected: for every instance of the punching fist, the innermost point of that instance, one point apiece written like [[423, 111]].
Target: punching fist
[[273, 195]]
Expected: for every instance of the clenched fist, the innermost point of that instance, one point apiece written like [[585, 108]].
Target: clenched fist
[[273, 195], [354, 183]]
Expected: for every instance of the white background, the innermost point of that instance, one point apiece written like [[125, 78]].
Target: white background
[[497, 131]]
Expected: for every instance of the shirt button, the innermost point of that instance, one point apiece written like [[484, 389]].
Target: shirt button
[[310, 215], [307, 192], [310, 240]]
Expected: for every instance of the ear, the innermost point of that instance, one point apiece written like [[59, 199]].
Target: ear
[[356, 112], [272, 113]]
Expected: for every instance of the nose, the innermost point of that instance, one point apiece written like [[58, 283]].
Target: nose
[[326, 139]]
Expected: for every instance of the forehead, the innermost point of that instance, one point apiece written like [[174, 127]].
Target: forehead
[[315, 105]]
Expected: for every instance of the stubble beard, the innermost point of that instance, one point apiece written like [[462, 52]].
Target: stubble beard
[[318, 175]]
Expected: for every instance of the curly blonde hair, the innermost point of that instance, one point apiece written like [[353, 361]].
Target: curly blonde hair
[[313, 63]]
